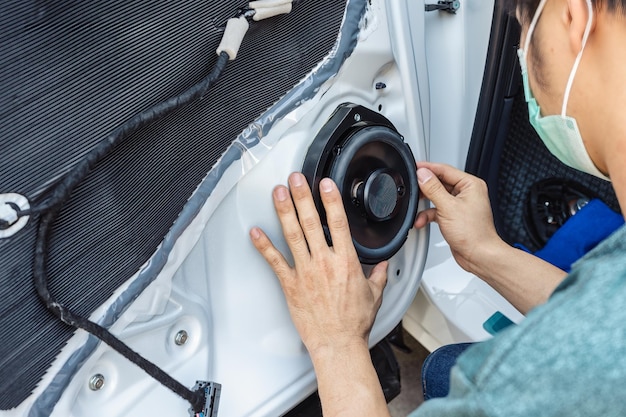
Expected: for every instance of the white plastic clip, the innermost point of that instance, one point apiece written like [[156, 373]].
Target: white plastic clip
[[234, 33], [269, 8], [10, 216]]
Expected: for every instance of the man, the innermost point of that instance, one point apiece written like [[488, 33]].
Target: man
[[568, 357]]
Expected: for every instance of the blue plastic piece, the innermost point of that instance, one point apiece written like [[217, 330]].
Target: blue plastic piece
[[496, 323]]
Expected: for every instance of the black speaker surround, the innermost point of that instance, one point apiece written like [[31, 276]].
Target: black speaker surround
[[375, 172]]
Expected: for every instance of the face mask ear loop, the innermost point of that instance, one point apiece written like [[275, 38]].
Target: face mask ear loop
[[570, 81], [523, 52]]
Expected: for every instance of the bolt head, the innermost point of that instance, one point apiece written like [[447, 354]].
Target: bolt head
[[96, 382], [181, 337], [357, 117]]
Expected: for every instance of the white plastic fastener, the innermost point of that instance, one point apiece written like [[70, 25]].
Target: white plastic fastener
[[234, 33], [10, 215], [265, 9]]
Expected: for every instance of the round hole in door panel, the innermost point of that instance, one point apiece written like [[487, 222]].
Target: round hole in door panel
[[374, 170]]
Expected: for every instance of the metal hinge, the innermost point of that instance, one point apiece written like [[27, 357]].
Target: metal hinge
[[450, 6]]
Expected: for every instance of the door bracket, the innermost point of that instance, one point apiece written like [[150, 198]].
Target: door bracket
[[450, 6]]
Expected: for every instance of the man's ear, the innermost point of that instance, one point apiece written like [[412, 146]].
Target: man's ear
[[575, 17]]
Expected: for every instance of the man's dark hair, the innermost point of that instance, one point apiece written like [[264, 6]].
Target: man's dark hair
[[527, 8]]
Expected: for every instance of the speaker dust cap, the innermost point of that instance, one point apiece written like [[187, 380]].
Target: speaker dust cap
[[375, 172]]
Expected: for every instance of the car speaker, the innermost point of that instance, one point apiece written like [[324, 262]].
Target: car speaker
[[375, 172]]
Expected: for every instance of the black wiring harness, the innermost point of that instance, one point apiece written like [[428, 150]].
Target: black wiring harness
[[61, 194], [202, 396]]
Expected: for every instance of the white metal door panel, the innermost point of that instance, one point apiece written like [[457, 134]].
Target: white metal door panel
[[220, 292]]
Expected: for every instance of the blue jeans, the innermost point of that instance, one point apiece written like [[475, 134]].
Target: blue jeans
[[436, 370]]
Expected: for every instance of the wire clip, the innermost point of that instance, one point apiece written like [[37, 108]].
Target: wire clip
[[11, 221], [234, 33], [237, 27], [8, 216], [269, 8]]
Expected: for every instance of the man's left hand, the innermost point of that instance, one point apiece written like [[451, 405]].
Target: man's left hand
[[331, 301]]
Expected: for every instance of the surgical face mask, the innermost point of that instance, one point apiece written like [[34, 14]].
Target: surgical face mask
[[560, 132]]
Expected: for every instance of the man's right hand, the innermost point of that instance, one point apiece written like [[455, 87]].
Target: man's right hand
[[462, 211]]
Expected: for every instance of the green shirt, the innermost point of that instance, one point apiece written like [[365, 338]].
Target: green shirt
[[567, 358]]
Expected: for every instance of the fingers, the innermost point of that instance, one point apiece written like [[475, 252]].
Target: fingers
[[425, 217], [307, 212], [440, 184], [272, 255], [447, 174], [290, 224], [432, 188], [378, 278], [301, 223], [336, 218]]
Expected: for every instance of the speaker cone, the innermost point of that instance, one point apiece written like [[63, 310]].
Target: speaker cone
[[375, 172]]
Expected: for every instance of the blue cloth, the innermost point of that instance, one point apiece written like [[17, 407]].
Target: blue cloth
[[567, 358], [580, 233], [436, 370]]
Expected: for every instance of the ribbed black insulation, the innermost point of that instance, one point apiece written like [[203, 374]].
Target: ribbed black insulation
[[525, 161], [70, 72]]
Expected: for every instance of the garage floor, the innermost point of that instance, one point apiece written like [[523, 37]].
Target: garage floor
[[410, 373]]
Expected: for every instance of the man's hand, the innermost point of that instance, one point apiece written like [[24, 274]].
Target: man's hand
[[330, 300], [332, 304], [462, 211]]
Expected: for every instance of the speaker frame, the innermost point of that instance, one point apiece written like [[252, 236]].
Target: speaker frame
[[347, 121]]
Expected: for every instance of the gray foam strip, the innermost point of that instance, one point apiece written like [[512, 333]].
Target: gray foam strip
[[251, 136]]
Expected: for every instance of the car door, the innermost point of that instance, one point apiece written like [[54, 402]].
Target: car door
[[140, 223], [532, 195], [452, 305], [150, 241]]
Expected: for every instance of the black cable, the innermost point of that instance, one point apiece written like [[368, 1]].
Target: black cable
[[112, 140], [61, 194]]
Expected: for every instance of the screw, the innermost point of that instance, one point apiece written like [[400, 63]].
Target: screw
[[181, 338], [357, 117], [96, 382], [380, 86]]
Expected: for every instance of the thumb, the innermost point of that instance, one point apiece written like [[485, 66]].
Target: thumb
[[431, 187], [378, 277]]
